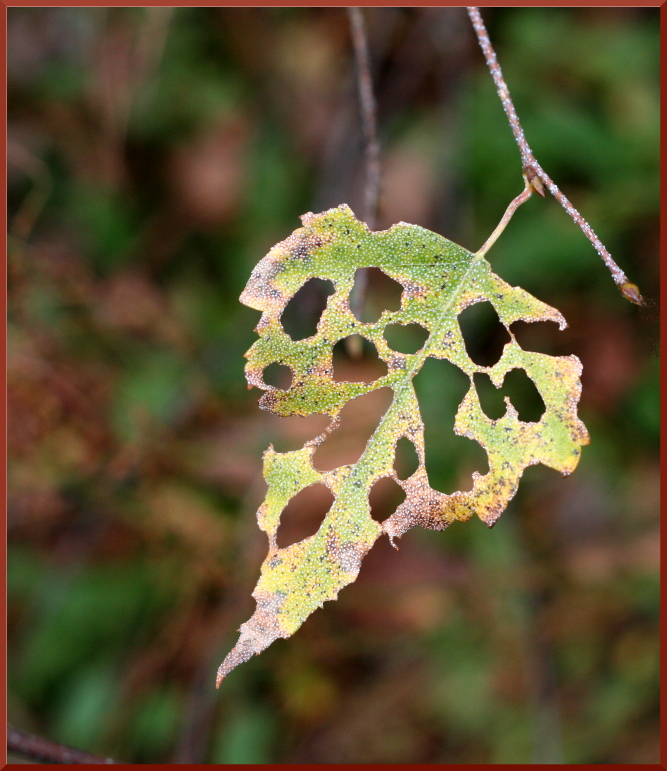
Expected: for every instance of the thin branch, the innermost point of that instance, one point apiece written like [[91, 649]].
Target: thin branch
[[372, 152], [533, 172], [44, 751], [36, 170], [368, 115]]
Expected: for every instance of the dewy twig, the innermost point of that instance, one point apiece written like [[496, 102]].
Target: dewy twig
[[534, 174]]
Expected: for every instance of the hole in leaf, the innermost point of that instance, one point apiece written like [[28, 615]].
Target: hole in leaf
[[381, 294], [304, 514], [490, 397], [545, 338], [473, 458], [278, 375], [521, 390], [385, 497], [290, 433], [524, 395], [406, 460], [483, 333], [303, 311], [358, 420], [365, 369], [405, 338], [450, 459]]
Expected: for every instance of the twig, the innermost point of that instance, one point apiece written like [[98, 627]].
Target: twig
[[368, 115], [372, 151], [533, 172], [42, 750], [36, 170]]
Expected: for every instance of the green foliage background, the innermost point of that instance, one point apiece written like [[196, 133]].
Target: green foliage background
[[154, 157]]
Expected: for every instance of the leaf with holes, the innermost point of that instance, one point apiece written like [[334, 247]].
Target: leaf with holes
[[439, 280]]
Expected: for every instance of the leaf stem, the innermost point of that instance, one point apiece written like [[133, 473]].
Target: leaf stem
[[507, 216], [533, 172]]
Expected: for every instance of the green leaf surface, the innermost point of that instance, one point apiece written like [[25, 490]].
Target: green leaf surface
[[439, 280]]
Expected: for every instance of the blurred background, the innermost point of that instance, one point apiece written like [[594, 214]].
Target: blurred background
[[155, 155]]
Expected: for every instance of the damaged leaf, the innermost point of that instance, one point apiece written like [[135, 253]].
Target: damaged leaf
[[439, 280]]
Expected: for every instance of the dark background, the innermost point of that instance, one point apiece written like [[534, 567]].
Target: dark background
[[155, 155]]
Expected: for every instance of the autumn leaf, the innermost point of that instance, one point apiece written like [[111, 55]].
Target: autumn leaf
[[439, 280]]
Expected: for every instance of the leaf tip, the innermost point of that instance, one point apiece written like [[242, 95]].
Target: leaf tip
[[242, 651]]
